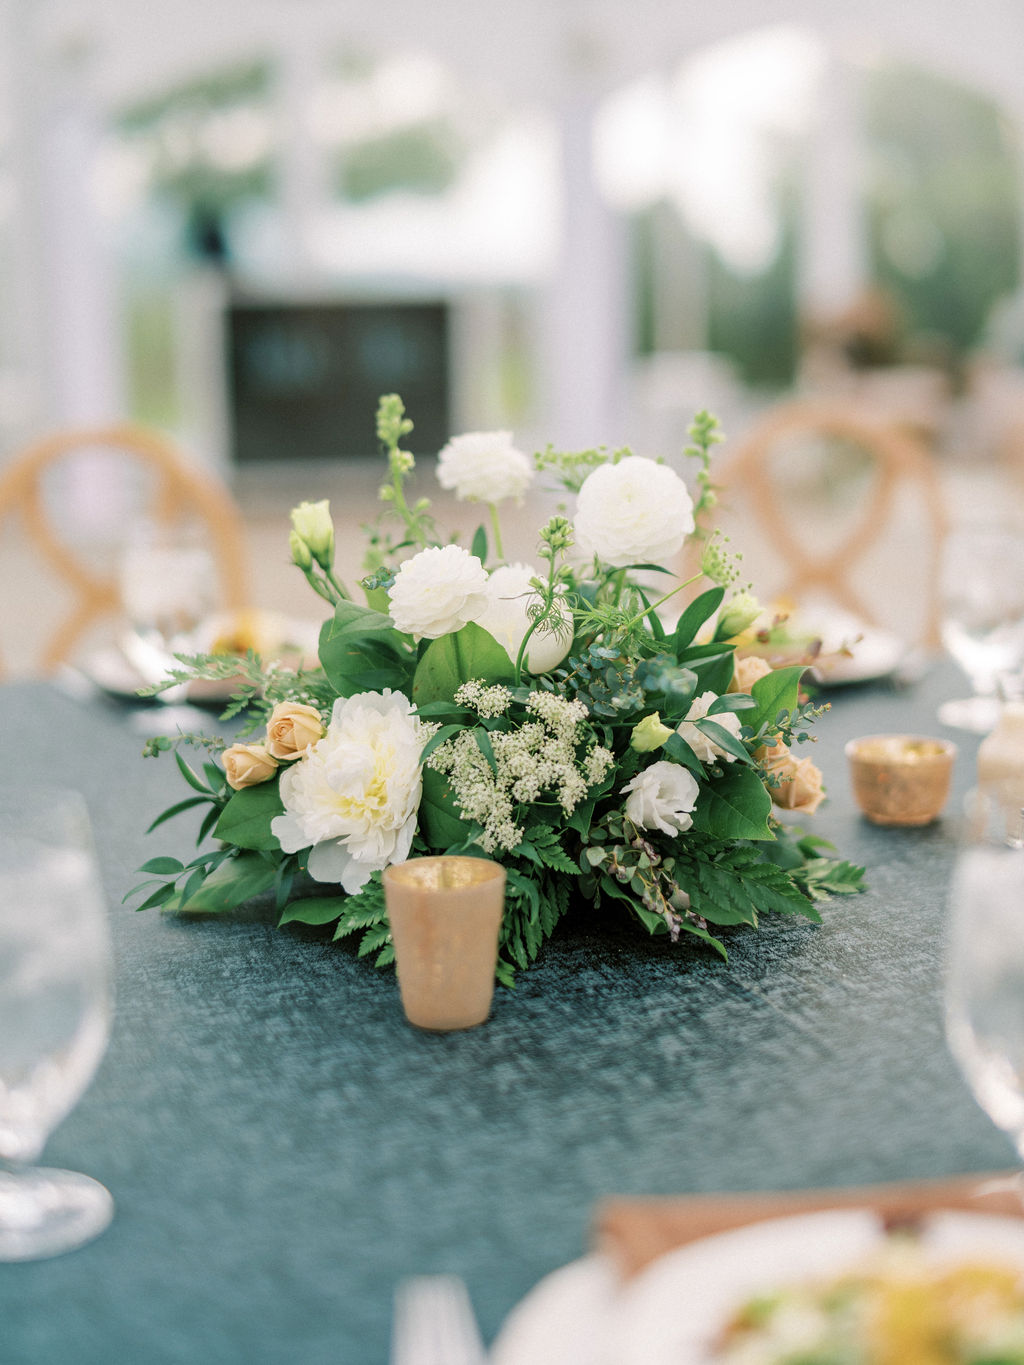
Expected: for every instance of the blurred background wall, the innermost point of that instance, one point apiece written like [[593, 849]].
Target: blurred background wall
[[580, 220]]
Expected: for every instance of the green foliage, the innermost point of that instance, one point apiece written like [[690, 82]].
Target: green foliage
[[245, 820], [361, 651], [447, 663], [735, 806], [366, 911]]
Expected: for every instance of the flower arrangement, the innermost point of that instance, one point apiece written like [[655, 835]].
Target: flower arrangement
[[556, 719]]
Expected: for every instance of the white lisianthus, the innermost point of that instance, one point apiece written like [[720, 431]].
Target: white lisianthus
[[706, 749], [662, 797], [352, 800], [506, 617], [633, 512], [484, 466], [438, 591]]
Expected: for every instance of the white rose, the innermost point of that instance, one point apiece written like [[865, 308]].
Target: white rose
[[355, 795], [484, 466], [661, 797], [706, 749], [438, 591], [506, 617], [633, 512]]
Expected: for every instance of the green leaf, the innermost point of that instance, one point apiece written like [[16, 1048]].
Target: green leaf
[[677, 749], [160, 896], [776, 691], [483, 741], [581, 817], [377, 599], [245, 820], [440, 822], [479, 545], [163, 867], [190, 777], [701, 609], [361, 650], [438, 738], [714, 672], [454, 659], [171, 811], [235, 881], [719, 735], [313, 910], [734, 806]]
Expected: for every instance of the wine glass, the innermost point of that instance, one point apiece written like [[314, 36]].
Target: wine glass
[[985, 957], [166, 580], [983, 617], [55, 1006]]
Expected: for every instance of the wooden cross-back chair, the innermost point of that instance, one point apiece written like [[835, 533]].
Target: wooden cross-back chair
[[176, 491], [900, 461]]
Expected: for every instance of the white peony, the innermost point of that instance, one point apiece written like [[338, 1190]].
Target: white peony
[[438, 591], [484, 466], [661, 797], [633, 512], [355, 795], [706, 749], [506, 617]]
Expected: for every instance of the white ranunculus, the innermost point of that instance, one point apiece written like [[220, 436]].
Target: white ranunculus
[[662, 797], [352, 800], [484, 466], [706, 749], [506, 617], [438, 591], [633, 512]]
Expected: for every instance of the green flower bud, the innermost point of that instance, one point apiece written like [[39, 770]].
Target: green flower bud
[[300, 552], [312, 523], [650, 734], [742, 610]]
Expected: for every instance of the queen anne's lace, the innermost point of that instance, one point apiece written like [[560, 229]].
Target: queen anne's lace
[[537, 759]]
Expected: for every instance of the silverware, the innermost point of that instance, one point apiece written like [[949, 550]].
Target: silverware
[[434, 1323]]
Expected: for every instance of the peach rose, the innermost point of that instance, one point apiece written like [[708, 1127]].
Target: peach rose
[[747, 671], [292, 728], [800, 781], [801, 787], [246, 765]]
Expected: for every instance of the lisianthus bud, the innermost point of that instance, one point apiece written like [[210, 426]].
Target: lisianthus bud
[[300, 552], [312, 523], [742, 610], [650, 734]]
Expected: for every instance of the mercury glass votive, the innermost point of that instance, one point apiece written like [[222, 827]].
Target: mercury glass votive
[[901, 779], [445, 914]]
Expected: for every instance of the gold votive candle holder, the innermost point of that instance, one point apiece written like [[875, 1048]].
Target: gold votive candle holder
[[445, 914], [901, 779]]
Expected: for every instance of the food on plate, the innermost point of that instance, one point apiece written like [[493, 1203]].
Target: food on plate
[[898, 1309]]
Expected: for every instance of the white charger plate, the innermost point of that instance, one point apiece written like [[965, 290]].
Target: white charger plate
[[672, 1312]]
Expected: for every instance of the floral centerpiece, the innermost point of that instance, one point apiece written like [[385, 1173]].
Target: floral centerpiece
[[560, 717]]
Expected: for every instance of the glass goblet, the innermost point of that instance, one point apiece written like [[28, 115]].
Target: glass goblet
[[984, 995], [55, 1007], [982, 617]]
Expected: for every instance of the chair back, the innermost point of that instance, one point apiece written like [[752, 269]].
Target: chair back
[[174, 491], [882, 483]]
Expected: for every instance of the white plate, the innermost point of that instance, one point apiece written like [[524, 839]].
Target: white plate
[[669, 1315], [672, 1313], [564, 1320], [874, 655]]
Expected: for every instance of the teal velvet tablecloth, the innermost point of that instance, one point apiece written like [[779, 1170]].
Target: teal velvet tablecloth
[[283, 1148]]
